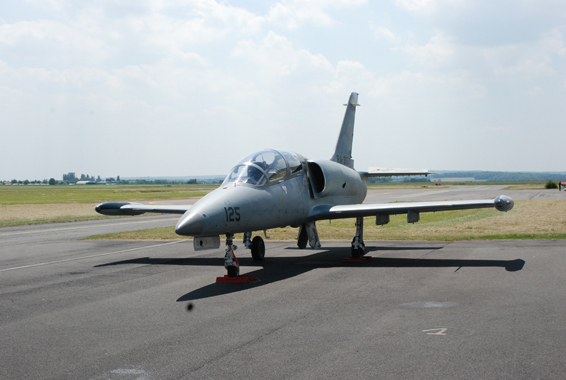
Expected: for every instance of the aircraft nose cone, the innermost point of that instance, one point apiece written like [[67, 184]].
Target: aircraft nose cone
[[190, 224]]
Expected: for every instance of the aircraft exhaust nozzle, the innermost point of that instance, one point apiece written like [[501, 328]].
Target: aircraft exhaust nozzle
[[504, 203]]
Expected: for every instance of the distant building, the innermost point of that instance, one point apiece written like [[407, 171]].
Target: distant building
[[86, 183]]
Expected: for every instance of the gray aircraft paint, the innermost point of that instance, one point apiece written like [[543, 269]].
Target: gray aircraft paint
[[343, 152], [251, 199]]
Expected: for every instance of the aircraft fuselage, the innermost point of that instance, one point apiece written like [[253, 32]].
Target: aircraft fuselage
[[237, 207]]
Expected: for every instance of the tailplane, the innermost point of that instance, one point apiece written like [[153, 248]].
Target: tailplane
[[343, 152]]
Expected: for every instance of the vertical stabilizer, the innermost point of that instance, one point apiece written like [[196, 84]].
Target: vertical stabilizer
[[343, 152]]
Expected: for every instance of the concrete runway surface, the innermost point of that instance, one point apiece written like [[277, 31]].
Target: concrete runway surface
[[73, 309]]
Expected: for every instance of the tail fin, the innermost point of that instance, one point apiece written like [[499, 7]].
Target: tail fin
[[343, 152]]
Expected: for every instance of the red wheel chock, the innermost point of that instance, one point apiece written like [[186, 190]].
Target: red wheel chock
[[245, 278], [357, 260]]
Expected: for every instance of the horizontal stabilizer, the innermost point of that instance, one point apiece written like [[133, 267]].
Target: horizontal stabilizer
[[390, 172]]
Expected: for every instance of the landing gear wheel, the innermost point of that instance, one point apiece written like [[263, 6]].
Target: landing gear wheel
[[232, 271], [258, 248], [303, 238], [358, 253]]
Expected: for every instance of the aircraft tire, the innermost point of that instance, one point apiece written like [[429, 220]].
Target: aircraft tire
[[258, 248], [232, 271], [303, 238], [357, 253]]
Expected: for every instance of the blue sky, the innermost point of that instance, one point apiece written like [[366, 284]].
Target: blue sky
[[170, 87]]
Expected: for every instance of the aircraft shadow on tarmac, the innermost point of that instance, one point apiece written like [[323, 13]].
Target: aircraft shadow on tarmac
[[274, 269]]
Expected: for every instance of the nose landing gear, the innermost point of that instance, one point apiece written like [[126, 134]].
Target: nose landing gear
[[232, 264], [230, 260]]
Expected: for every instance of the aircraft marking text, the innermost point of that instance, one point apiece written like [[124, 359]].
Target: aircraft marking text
[[231, 212]]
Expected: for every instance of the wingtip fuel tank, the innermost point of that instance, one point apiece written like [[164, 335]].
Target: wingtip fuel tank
[[504, 203]]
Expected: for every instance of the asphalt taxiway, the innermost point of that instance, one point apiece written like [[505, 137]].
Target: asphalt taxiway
[[72, 309]]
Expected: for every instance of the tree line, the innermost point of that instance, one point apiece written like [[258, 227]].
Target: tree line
[[71, 178]]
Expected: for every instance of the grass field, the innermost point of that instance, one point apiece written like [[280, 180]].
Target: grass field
[[51, 204], [18, 195], [17, 215], [537, 219]]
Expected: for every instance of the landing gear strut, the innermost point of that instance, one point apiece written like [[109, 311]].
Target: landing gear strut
[[230, 261], [358, 245], [248, 240], [232, 265], [308, 233]]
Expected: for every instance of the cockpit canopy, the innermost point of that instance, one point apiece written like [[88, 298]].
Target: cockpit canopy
[[264, 167]]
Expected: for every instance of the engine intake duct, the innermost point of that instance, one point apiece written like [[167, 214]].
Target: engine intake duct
[[328, 178]]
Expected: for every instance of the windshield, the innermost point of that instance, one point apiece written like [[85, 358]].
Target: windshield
[[247, 174], [259, 168]]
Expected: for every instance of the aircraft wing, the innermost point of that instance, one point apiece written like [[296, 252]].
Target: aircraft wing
[[502, 203], [133, 208], [390, 172]]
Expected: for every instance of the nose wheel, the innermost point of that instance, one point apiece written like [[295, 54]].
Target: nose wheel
[[233, 271]]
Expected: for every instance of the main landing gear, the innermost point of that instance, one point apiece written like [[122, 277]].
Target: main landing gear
[[231, 262], [309, 234], [358, 245]]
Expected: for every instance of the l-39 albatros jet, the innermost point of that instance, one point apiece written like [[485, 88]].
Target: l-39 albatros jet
[[275, 188]]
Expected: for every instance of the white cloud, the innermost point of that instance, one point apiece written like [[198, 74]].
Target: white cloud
[[439, 50], [277, 58], [157, 73], [529, 59], [105, 31], [409, 89], [382, 32], [50, 5], [52, 39], [416, 5], [350, 76], [294, 13]]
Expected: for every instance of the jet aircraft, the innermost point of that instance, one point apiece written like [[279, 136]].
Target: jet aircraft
[[276, 188]]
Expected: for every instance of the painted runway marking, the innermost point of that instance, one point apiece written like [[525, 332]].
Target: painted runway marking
[[89, 256], [440, 331], [78, 228]]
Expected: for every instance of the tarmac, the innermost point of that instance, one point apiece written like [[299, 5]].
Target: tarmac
[[80, 309]]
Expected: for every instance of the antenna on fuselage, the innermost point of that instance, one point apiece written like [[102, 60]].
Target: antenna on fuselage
[[343, 152]]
